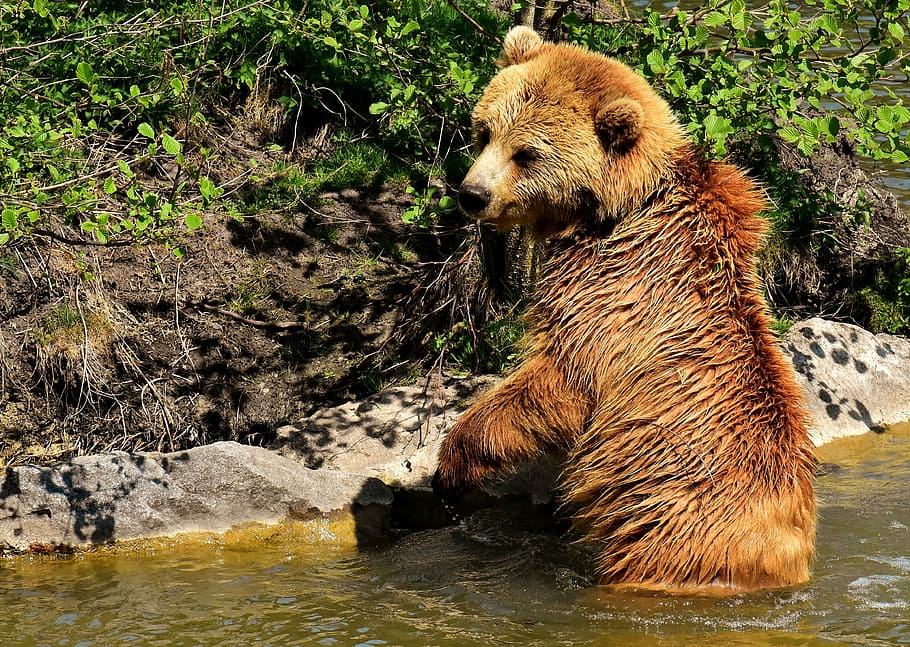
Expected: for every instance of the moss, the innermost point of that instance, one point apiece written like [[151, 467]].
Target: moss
[[884, 314]]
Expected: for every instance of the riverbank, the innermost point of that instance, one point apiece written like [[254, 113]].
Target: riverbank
[[357, 471]]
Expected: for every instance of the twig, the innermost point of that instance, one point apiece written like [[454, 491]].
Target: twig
[[256, 323], [473, 22], [299, 108]]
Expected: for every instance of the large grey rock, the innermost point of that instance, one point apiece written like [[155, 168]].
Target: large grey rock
[[113, 497], [393, 435], [854, 381]]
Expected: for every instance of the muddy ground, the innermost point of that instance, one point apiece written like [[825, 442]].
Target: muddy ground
[[265, 319]]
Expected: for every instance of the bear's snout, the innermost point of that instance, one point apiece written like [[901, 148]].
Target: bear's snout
[[473, 198]]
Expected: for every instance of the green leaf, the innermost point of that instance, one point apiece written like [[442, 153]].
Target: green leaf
[[806, 147], [896, 31], [146, 130], [84, 73], [885, 55], [789, 134], [9, 219], [110, 186], [170, 144], [447, 203], [331, 42], [826, 22], [884, 126], [656, 61], [717, 127], [715, 19], [206, 187], [408, 28], [739, 17], [193, 221], [177, 86], [125, 169], [13, 165], [378, 108]]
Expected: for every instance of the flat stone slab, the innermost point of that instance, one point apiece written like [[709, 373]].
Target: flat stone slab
[[105, 498], [854, 381], [393, 435]]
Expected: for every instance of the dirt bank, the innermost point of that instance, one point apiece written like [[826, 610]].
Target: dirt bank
[[264, 319]]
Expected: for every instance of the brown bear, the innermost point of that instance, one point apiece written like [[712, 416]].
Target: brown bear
[[650, 362]]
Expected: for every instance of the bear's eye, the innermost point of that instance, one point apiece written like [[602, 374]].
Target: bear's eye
[[482, 137], [524, 157]]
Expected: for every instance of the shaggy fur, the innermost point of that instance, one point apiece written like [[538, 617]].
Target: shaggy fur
[[650, 364]]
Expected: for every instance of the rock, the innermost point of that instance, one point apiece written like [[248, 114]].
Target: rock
[[393, 435], [113, 497], [854, 381]]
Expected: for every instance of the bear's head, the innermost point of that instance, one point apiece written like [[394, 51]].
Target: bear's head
[[565, 138]]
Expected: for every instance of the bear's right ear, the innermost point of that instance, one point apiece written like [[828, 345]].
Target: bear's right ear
[[521, 44], [619, 124]]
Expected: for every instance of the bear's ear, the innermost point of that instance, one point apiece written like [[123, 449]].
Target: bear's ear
[[521, 44], [619, 124]]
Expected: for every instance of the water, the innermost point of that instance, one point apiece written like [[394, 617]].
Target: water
[[492, 580]]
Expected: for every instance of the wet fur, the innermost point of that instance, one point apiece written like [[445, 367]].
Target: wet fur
[[652, 368]]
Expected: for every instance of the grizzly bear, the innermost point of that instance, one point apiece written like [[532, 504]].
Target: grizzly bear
[[650, 364]]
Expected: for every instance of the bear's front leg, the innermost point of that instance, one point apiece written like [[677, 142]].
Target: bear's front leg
[[531, 413]]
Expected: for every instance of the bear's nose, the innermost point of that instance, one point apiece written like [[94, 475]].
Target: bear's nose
[[473, 198]]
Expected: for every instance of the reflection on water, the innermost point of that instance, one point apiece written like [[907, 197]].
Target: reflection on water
[[490, 580]]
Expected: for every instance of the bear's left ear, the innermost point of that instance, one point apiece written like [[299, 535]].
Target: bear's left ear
[[521, 44], [619, 124]]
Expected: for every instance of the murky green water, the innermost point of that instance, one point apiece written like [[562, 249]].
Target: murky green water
[[490, 580]]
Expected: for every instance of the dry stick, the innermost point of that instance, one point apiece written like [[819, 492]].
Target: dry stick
[[299, 108], [256, 323], [130, 358], [186, 352], [27, 269], [3, 368], [84, 386], [473, 22]]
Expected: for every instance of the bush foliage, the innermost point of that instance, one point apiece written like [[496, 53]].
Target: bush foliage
[[105, 105]]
